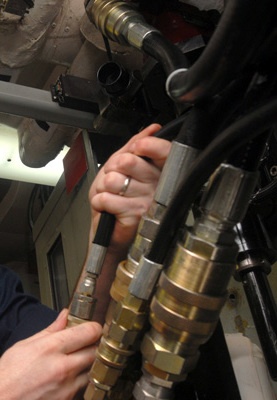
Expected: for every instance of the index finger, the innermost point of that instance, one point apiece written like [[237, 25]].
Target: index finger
[[78, 337], [148, 131], [155, 149]]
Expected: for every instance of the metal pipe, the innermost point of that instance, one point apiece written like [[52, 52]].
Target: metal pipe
[[254, 261], [264, 312], [38, 104]]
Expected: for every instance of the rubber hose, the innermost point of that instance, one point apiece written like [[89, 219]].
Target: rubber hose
[[165, 52], [235, 136], [228, 51]]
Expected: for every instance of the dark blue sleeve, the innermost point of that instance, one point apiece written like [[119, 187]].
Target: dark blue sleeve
[[21, 315]]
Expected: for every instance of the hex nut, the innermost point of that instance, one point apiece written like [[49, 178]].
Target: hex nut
[[163, 375], [94, 393], [121, 334], [104, 374], [163, 359], [148, 227], [129, 318], [207, 243]]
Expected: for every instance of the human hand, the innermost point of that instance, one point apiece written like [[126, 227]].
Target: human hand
[[144, 175], [52, 364]]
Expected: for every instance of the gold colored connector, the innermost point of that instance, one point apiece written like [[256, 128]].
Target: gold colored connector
[[192, 288], [117, 344], [95, 393], [185, 310], [136, 277]]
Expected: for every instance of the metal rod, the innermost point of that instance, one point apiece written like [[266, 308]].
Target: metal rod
[[38, 104]]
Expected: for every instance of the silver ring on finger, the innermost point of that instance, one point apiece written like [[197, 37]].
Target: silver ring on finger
[[125, 186]]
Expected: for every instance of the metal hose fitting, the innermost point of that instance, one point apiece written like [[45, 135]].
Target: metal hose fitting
[[133, 286], [192, 287], [119, 21], [177, 164]]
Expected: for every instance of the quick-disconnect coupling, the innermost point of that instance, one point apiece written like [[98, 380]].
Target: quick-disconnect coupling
[[116, 346], [82, 305], [192, 288], [119, 21]]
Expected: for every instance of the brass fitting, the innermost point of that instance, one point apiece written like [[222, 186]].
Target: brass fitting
[[158, 356], [122, 335], [184, 311], [119, 288], [102, 373], [130, 313], [134, 283], [93, 392], [119, 21], [192, 288]]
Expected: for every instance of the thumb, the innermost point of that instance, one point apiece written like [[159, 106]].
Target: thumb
[[60, 323]]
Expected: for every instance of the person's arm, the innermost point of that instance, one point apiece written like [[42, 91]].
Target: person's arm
[[21, 315], [141, 159], [52, 364]]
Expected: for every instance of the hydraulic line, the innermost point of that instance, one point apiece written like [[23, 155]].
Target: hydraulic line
[[129, 288], [135, 278], [232, 138], [120, 22], [83, 301], [255, 257], [227, 52], [192, 288]]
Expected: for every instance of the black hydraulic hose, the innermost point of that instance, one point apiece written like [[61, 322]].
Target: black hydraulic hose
[[207, 118], [165, 52], [235, 136], [193, 128], [107, 221], [171, 129], [105, 229], [230, 48]]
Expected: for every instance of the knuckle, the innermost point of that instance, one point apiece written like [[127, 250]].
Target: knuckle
[[103, 199], [126, 160], [108, 180]]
